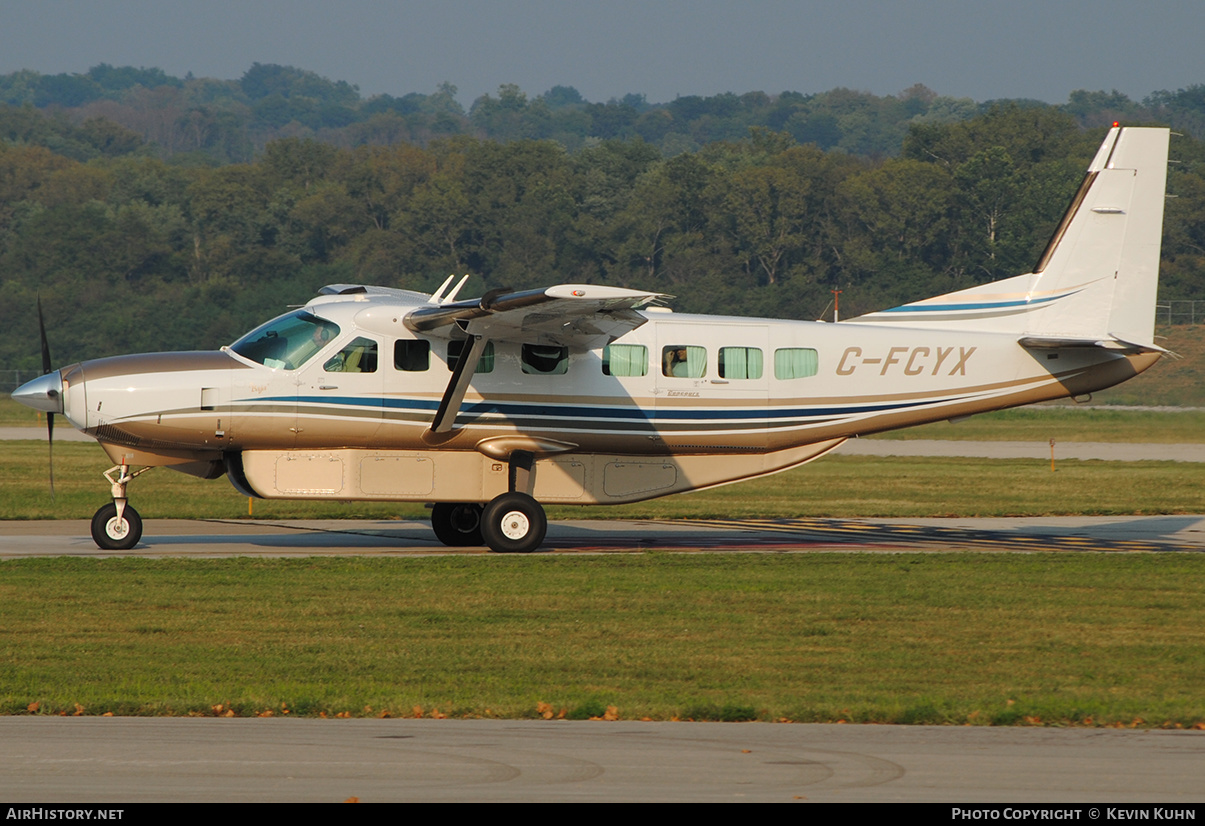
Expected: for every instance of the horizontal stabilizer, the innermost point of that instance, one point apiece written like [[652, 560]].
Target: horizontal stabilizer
[[1111, 343]]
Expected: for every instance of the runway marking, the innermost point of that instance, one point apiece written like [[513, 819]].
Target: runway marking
[[815, 534], [837, 531]]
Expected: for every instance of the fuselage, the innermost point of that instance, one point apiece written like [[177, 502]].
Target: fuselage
[[677, 386]]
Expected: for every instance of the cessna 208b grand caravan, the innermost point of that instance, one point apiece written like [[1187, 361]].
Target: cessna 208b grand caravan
[[580, 394]]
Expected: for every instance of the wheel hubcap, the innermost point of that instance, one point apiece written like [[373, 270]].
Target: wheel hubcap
[[515, 525], [465, 520], [117, 528]]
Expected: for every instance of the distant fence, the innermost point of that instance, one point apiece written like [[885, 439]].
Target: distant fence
[[10, 380], [1180, 311]]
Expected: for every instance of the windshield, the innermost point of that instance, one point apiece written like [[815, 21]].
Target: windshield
[[289, 341]]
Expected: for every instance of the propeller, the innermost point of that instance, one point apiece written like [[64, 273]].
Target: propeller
[[47, 367]]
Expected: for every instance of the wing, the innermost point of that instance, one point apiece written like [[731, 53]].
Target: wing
[[578, 316]]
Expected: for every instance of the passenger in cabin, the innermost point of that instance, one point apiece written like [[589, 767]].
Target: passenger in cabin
[[675, 362], [360, 356], [320, 338]]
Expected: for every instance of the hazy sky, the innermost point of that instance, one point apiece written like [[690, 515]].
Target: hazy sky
[[606, 48]]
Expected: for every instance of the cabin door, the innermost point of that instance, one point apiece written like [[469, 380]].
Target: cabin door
[[715, 374]]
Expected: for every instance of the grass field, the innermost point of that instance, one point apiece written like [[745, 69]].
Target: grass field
[[846, 486], [18, 415], [1174, 380], [1069, 639], [1066, 423]]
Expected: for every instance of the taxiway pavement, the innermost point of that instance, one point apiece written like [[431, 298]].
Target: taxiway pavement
[[294, 538], [97, 760]]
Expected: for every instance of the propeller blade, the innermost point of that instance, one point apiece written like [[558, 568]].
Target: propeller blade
[[50, 450], [47, 367]]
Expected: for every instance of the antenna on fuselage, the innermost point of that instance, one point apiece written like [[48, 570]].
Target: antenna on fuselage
[[438, 294], [455, 290]]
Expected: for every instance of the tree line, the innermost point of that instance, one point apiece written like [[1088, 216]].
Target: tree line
[[212, 121], [131, 252]]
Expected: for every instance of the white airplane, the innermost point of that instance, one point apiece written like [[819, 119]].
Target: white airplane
[[580, 394]]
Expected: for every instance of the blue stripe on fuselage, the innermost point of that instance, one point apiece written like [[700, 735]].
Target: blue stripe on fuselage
[[986, 305], [517, 410]]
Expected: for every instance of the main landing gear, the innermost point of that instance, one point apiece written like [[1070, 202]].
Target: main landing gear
[[117, 526], [512, 523]]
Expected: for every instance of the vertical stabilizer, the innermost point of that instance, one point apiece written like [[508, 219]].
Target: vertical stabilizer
[[1106, 248], [1098, 276]]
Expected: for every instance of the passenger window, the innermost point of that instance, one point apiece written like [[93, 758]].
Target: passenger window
[[684, 362], [740, 363], [625, 360], [412, 356], [360, 356], [796, 363], [545, 360], [485, 364]]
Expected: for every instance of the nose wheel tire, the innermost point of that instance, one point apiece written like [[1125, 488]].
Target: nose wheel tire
[[513, 523], [113, 534], [457, 524]]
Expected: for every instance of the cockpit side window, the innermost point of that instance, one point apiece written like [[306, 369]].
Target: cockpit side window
[[358, 356], [289, 341]]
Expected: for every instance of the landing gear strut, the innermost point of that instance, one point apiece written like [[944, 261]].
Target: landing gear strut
[[117, 526], [514, 523]]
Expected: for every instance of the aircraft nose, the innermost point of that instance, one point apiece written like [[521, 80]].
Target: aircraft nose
[[44, 393]]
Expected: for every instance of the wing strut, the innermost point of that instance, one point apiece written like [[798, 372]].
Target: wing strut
[[449, 405]]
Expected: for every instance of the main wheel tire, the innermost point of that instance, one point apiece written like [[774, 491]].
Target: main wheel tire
[[457, 524], [513, 523], [111, 534]]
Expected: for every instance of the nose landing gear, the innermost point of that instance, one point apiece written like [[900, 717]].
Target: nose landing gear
[[117, 526]]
